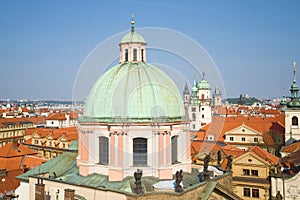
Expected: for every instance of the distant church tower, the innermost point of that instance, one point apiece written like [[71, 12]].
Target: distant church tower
[[217, 97], [292, 113], [199, 104]]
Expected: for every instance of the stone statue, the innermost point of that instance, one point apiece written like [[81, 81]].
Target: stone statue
[[278, 196], [206, 173], [219, 159], [138, 183], [278, 170], [229, 163], [178, 180], [206, 161]]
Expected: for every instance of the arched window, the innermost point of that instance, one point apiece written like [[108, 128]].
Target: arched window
[[140, 152], [134, 55], [126, 55], [295, 121], [202, 96], [174, 150], [103, 150], [194, 116], [142, 55]]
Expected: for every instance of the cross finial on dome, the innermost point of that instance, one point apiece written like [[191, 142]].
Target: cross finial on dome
[[132, 22], [203, 75]]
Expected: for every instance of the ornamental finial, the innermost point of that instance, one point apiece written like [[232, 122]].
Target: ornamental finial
[[294, 63], [132, 22]]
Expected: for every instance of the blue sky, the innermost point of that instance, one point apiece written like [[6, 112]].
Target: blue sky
[[43, 43]]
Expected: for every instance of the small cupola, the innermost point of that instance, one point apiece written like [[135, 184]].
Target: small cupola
[[132, 46]]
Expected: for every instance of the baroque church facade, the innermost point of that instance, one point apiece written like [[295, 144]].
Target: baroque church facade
[[198, 104]]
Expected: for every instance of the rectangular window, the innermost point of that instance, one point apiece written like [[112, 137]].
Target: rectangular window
[[255, 139], [142, 55], [246, 172], [140, 152], [174, 152], [255, 193], [246, 192], [103, 150], [231, 138], [134, 55], [243, 139], [193, 109], [194, 126], [254, 172], [126, 55]]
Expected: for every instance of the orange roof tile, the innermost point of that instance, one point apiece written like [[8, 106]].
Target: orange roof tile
[[9, 151], [74, 115], [220, 125], [57, 116], [11, 183], [17, 121], [33, 161], [291, 148], [264, 155]]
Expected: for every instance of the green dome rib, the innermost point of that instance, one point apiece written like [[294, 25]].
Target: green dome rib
[[136, 91]]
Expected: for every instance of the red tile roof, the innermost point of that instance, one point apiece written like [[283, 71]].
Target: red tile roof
[[33, 161], [34, 120], [220, 125], [8, 150], [266, 156], [292, 158], [57, 116], [291, 148], [11, 183]]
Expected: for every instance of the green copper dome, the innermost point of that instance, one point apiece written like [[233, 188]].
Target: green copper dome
[[134, 91], [203, 84], [132, 36]]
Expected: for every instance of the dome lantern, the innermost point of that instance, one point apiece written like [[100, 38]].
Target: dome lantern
[[132, 46]]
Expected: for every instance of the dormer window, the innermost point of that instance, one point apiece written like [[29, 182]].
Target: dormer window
[[126, 55], [134, 54]]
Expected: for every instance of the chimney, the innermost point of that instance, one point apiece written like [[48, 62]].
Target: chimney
[[2, 172], [39, 190], [15, 145], [69, 194]]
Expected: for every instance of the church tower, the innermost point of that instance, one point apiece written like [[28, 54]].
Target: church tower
[[199, 111], [292, 113], [217, 97]]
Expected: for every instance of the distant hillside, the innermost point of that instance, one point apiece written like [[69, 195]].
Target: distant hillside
[[243, 100]]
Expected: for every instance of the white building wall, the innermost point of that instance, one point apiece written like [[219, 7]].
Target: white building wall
[[289, 128], [23, 191]]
